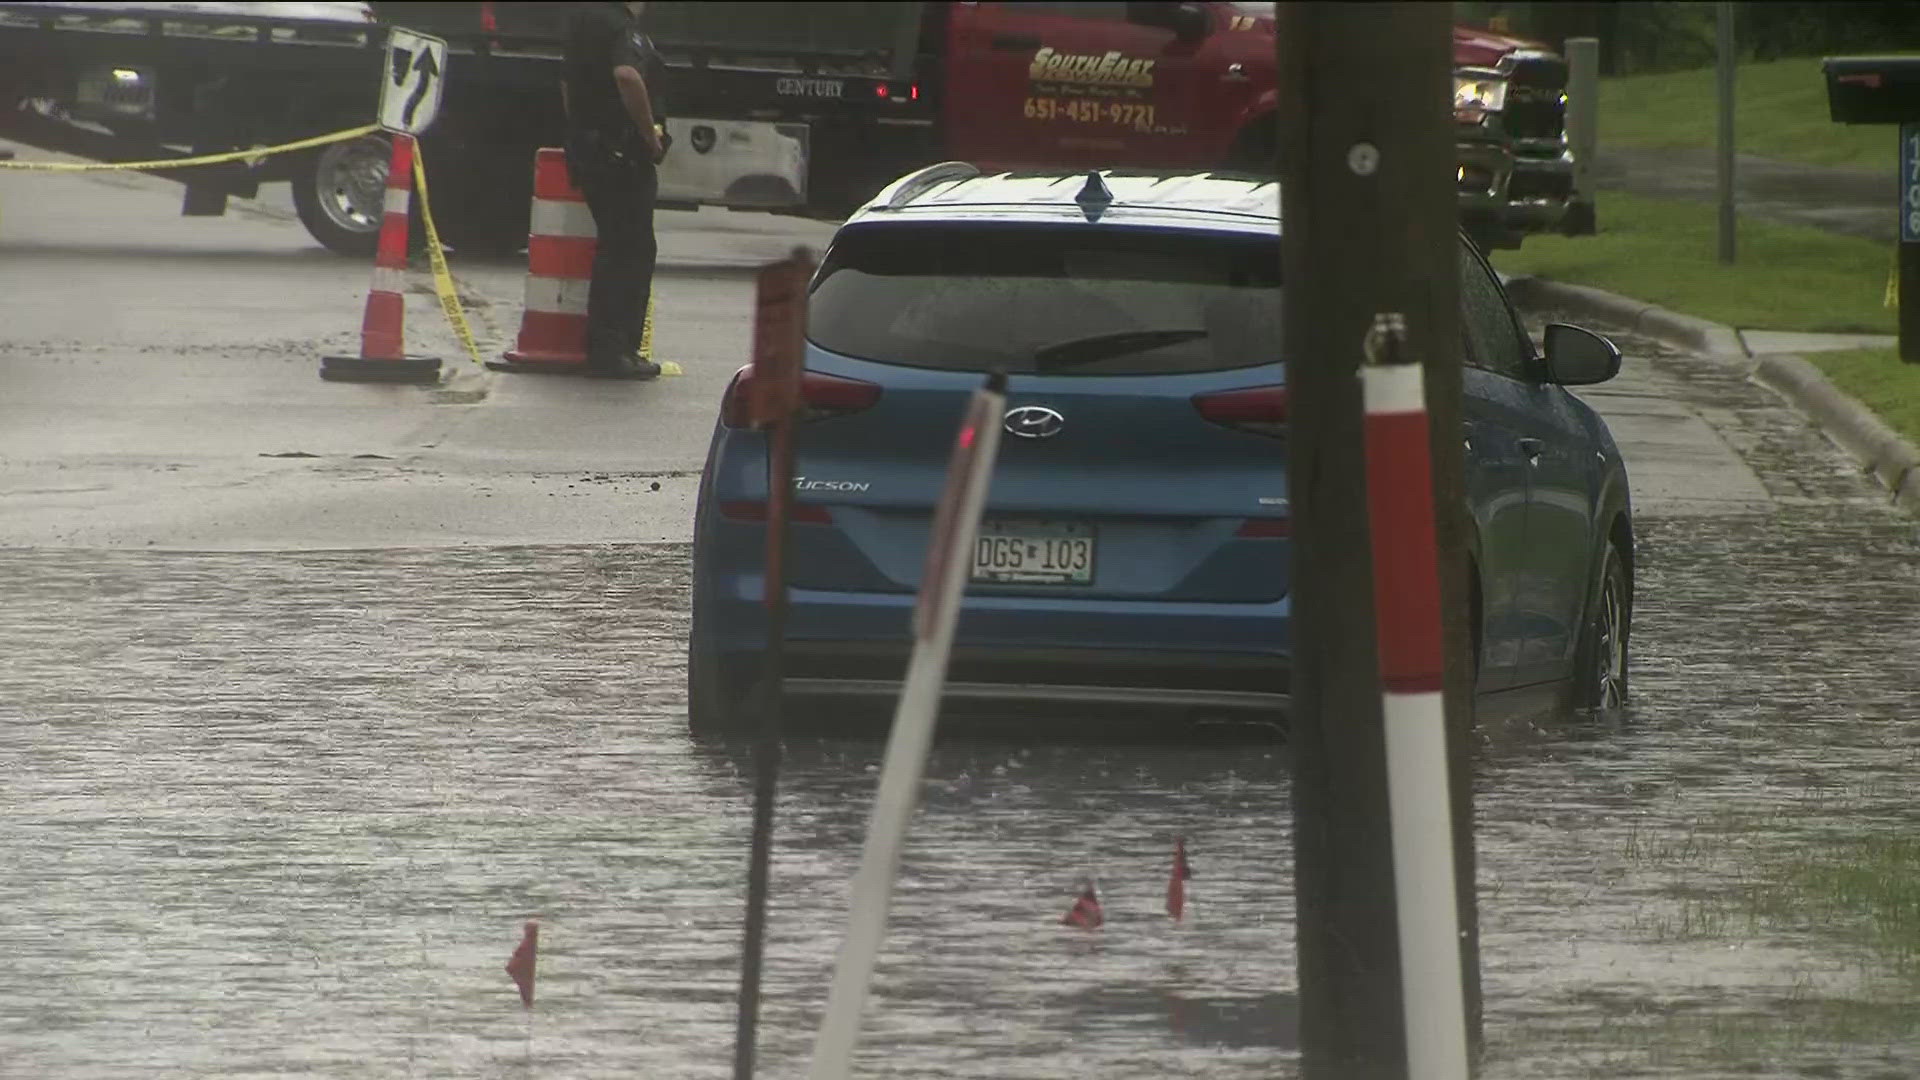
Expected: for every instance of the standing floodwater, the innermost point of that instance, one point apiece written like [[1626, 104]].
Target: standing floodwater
[[285, 814]]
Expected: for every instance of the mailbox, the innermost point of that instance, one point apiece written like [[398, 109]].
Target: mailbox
[[1873, 89], [1886, 90]]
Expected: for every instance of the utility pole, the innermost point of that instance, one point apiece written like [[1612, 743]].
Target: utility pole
[[1368, 227], [1723, 158]]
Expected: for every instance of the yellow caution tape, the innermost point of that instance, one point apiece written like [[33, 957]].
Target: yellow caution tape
[[443, 285], [442, 277], [667, 367], [188, 162]]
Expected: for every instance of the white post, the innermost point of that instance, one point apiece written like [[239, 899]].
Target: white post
[[1429, 920], [912, 735], [1583, 126], [1419, 806]]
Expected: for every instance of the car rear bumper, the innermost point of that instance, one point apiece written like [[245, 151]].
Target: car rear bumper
[[1017, 653], [998, 697], [1133, 680]]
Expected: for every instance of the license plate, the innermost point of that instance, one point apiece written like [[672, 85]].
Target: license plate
[[1034, 553]]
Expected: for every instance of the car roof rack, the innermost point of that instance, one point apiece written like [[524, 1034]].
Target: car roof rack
[[918, 183]]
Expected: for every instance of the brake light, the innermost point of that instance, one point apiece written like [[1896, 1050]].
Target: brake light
[[1265, 528], [1258, 409], [823, 396], [913, 92], [798, 512], [880, 90], [487, 20]]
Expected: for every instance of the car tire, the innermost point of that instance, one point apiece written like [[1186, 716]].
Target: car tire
[[713, 710], [1600, 663]]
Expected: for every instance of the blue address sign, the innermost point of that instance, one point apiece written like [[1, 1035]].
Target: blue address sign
[[1910, 183]]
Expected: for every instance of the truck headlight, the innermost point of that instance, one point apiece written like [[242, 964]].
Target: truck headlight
[[1479, 94]]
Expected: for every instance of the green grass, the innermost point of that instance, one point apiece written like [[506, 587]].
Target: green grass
[[1878, 379], [1856, 889], [1873, 878], [1780, 112], [1786, 277]]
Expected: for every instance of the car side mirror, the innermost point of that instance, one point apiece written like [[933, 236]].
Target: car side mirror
[[1579, 357], [1189, 22]]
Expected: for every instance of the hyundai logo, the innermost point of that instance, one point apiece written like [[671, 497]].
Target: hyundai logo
[[1034, 422]]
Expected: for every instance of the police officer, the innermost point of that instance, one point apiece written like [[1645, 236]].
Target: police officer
[[613, 146]]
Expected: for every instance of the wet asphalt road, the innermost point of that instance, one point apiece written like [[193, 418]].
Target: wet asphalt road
[[281, 812]]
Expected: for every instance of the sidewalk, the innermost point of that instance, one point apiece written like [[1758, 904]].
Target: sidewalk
[[1766, 342], [1846, 201], [1773, 359]]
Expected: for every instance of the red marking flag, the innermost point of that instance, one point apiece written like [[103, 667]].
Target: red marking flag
[[1085, 912], [520, 966], [1177, 881]]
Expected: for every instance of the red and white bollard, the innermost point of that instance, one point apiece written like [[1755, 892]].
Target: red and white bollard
[[1406, 589], [383, 355]]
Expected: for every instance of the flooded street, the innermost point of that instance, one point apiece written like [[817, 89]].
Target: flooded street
[[276, 815], [282, 814]]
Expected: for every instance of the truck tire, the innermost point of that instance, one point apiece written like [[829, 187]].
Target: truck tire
[[339, 191]]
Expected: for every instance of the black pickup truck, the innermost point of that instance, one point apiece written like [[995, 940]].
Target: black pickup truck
[[134, 82]]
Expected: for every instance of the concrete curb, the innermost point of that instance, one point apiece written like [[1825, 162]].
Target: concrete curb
[[1636, 316], [1891, 459]]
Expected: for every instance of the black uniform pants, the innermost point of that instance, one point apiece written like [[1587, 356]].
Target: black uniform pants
[[620, 195]]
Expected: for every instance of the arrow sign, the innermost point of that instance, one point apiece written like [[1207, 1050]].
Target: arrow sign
[[411, 84], [429, 71]]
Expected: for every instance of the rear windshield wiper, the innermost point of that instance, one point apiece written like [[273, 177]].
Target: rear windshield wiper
[[1102, 346]]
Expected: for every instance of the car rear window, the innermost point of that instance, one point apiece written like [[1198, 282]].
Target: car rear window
[[1050, 300]]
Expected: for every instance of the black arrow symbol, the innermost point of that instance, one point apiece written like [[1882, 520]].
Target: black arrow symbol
[[428, 69]]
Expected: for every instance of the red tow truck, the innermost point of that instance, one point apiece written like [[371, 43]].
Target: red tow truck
[[883, 88], [1194, 85]]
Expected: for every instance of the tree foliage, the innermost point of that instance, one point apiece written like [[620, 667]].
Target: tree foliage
[[1641, 36]]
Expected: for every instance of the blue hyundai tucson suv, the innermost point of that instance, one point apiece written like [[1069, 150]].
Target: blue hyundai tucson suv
[[1134, 552]]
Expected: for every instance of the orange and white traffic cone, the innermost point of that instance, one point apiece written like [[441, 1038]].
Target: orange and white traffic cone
[[560, 247], [383, 356]]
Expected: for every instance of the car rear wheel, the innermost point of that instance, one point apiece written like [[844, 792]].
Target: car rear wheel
[[1600, 671], [714, 710]]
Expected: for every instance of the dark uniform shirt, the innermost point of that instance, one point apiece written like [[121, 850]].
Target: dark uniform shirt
[[600, 38]]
